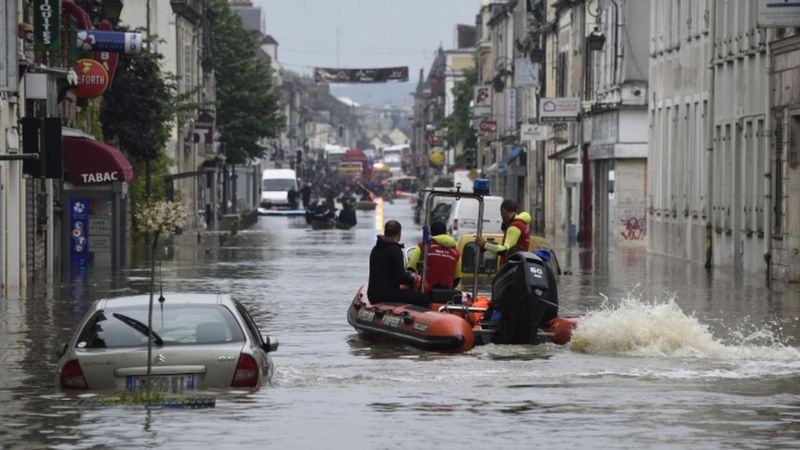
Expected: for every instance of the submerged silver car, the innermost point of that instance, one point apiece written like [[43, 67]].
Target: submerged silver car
[[200, 341]]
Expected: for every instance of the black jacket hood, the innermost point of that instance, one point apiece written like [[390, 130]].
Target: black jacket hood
[[382, 242]]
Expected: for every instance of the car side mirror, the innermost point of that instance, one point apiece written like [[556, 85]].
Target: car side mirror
[[270, 343], [61, 349]]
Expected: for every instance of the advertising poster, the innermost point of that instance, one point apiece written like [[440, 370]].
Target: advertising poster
[[79, 238]]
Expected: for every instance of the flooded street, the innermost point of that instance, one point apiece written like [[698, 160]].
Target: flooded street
[[668, 356]]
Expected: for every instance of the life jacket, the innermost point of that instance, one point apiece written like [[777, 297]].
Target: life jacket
[[521, 222], [442, 260]]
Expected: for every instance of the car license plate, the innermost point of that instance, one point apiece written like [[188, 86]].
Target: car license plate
[[163, 383]]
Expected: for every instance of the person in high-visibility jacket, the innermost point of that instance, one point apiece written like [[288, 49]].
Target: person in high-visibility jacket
[[516, 235], [442, 259]]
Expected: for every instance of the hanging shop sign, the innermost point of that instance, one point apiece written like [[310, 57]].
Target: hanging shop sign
[[47, 25], [511, 109], [482, 101], [526, 73], [532, 132], [437, 157], [559, 109], [487, 126], [109, 41], [380, 75], [79, 238], [108, 59], [93, 78], [203, 132], [778, 14]]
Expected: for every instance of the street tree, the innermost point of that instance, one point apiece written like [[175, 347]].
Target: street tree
[[248, 108], [459, 130], [138, 111]]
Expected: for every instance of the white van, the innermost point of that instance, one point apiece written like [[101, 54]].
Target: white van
[[464, 216], [275, 186]]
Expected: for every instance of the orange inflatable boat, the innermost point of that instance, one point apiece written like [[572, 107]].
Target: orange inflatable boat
[[442, 327], [418, 326], [523, 309]]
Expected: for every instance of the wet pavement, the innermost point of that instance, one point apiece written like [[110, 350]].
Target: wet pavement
[[668, 356]]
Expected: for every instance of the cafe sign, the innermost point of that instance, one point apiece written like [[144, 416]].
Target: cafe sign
[[47, 25], [93, 78]]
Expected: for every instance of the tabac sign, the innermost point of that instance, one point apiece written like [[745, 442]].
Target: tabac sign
[[47, 25]]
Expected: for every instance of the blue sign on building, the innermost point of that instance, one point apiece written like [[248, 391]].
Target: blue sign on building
[[79, 237], [109, 41]]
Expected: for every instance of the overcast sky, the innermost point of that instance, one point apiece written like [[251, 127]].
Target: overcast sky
[[371, 33]]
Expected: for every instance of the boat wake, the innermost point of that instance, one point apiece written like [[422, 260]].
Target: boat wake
[[661, 329]]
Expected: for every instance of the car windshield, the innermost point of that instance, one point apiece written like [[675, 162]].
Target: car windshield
[[174, 324], [441, 212], [278, 184]]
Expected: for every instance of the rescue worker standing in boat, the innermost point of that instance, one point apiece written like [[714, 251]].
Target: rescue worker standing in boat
[[442, 259], [387, 272], [516, 235]]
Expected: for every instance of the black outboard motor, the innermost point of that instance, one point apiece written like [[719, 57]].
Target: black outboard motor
[[524, 292]]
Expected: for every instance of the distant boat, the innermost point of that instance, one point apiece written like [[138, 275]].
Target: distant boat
[[281, 212]]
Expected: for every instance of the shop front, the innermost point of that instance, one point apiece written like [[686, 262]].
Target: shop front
[[94, 205]]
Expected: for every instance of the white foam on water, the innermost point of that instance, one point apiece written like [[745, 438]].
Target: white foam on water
[[661, 329]]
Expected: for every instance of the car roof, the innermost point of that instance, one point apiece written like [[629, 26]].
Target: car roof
[[170, 297], [279, 173]]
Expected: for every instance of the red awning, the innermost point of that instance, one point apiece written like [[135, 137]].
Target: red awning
[[89, 161]]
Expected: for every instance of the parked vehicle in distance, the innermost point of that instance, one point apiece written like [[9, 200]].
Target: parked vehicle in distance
[[402, 186], [334, 154], [441, 207], [393, 158], [353, 155], [201, 341], [350, 171], [464, 216], [488, 262], [275, 186]]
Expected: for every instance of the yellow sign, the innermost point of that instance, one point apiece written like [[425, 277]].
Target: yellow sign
[[437, 158]]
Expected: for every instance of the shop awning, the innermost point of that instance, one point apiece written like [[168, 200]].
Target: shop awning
[[89, 161], [513, 154]]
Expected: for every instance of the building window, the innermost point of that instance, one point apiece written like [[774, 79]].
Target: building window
[[777, 198], [561, 75], [793, 152], [760, 172]]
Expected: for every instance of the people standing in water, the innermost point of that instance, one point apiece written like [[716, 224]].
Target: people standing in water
[[387, 272], [442, 259], [305, 194], [291, 197], [516, 235], [347, 216]]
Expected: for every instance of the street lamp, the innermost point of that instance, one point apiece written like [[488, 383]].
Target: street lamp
[[501, 66], [537, 55], [179, 6], [112, 9], [596, 40]]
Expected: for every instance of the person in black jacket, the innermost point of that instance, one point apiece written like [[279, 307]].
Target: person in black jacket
[[387, 270], [305, 193], [347, 216]]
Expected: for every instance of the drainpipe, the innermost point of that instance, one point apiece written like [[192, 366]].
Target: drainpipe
[[586, 178], [617, 47], [768, 135], [710, 143]]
